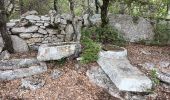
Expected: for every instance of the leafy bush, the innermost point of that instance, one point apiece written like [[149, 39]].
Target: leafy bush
[[154, 77], [162, 34], [90, 50], [105, 35], [90, 38]]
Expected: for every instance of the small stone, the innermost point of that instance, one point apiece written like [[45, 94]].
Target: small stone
[[5, 55], [43, 27], [30, 29], [25, 35], [39, 24], [32, 17], [32, 83], [69, 31], [34, 40], [1, 48], [63, 32], [52, 31], [11, 24], [37, 35], [45, 18], [46, 24], [63, 21], [40, 30], [56, 74]]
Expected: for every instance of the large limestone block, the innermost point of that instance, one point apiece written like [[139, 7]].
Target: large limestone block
[[19, 44], [56, 51], [125, 76], [33, 17], [19, 68], [30, 29], [133, 30]]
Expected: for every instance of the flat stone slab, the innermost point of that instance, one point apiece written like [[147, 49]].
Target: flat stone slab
[[125, 76], [19, 68], [56, 51], [98, 76]]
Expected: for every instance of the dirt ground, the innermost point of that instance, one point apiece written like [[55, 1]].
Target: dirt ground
[[74, 84]]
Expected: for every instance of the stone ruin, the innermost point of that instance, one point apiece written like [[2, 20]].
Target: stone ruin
[[50, 28]]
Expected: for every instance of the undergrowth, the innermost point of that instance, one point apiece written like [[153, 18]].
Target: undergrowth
[[91, 37]]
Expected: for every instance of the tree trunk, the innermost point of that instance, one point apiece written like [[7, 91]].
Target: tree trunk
[[21, 5], [97, 7], [6, 37], [104, 13], [56, 6]]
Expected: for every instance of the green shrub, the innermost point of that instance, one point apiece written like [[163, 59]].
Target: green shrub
[[162, 34], [105, 35], [90, 50], [90, 38], [154, 77], [109, 35]]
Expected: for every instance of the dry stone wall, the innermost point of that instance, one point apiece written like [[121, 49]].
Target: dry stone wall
[[50, 28], [53, 28]]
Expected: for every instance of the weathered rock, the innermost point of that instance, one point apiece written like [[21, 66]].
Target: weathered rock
[[96, 19], [33, 17], [30, 29], [46, 24], [52, 31], [21, 68], [56, 51], [45, 18], [19, 44], [5, 55], [98, 77], [66, 17], [1, 43], [25, 35], [56, 74], [37, 35], [85, 19], [69, 31], [132, 31], [63, 21], [10, 24], [1, 48], [39, 24], [125, 76], [42, 31], [34, 40], [32, 83], [57, 20]]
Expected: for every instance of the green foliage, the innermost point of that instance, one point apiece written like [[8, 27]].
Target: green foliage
[[61, 62], [90, 50], [42, 6], [110, 35], [90, 37], [154, 77], [162, 36]]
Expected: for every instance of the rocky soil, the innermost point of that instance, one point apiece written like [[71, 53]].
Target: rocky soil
[[69, 81]]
